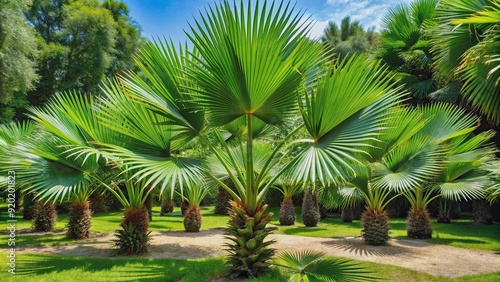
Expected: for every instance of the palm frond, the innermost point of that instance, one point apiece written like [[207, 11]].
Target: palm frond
[[311, 265], [253, 59]]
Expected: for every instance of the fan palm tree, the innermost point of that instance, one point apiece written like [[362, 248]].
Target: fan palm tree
[[465, 45], [454, 155], [192, 217], [313, 266], [405, 46], [287, 210], [250, 65]]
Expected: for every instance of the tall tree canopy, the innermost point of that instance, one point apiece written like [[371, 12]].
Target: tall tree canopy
[[17, 61], [79, 43], [349, 38]]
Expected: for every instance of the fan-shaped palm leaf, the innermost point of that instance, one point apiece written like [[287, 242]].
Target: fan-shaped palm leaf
[[313, 266]]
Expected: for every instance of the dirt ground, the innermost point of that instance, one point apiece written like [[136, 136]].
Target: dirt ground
[[437, 260]]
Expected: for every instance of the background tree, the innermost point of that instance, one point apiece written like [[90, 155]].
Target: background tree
[[350, 38], [18, 51], [405, 46], [79, 43], [465, 44]]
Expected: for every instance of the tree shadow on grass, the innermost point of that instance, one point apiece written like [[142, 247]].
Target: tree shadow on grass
[[119, 269], [357, 246], [303, 229]]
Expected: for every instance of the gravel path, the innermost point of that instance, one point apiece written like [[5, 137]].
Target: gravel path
[[437, 260]]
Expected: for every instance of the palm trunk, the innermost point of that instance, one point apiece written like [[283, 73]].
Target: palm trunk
[[249, 254], [134, 238], [44, 217], [28, 206], [347, 214], [481, 211], [79, 223], [192, 219], [184, 206], [419, 224], [375, 227], [222, 204], [167, 206], [98, 203], [287, 212], [310, 209]]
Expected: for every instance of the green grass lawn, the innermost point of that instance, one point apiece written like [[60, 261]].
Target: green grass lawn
[[461, 233], [41, 268]]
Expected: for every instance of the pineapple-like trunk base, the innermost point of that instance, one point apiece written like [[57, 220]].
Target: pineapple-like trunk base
[[347, 214], [80, 217], [419, 224], [310, 209], [192, 220], [44, 216], [249, 255], [375, 227], [287, 212]]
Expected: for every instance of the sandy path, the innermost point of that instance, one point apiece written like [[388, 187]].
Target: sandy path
[[437, 260]]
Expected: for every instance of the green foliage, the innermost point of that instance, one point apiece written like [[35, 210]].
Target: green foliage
[[307, 266], [18, 55], [405, 46], [465, 44]]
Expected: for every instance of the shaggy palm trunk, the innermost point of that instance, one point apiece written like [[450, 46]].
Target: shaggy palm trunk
[[192, 219], [148, 204], [375, 226], [481, 211], [347, 214], [249, 255], [167, 206], [44, 217], [134, 238], [323, 212], [222, 204], [419, 224], [310, 209], [287, 212], [28, 206], [98, 203], [184, 207], [79, 223]]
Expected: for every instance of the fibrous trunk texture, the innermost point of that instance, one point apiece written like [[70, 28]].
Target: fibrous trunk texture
[[481, 211], [134, 237], [98, 203], [184, 207], [347, 214], [287, 212], [167, 206], [80, 217], [192, 219], [222, 204], [375, 227], [28, 206], [310, 209], [44, 217], [249, 255], [419, 224]]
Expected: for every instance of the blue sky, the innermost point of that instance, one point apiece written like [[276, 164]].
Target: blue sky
[[169, 17]]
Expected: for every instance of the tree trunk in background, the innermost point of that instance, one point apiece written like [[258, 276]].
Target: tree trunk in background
[[481, 210], [375, 227], [419, 224], [310, 209], [222, 203], [167, 206], [287, 212], [192, 219], [347, 214], [44, 217], [80, 217], [184, 207], [98, 203], [28, 206]]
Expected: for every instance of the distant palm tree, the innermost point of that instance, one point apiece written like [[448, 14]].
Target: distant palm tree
[[465, 44], [405, 46]]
